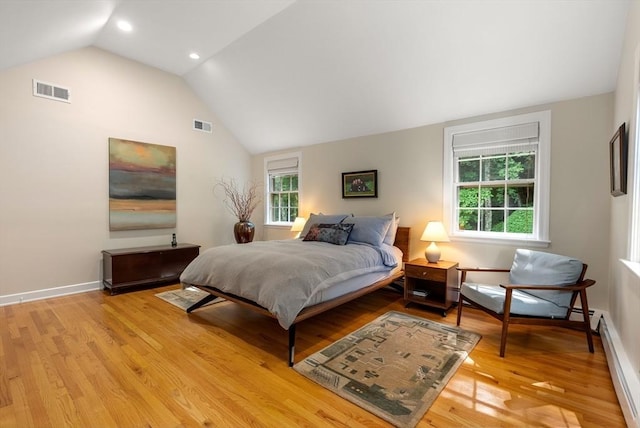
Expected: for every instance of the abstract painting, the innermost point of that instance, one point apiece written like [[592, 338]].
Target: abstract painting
[[142, 185]]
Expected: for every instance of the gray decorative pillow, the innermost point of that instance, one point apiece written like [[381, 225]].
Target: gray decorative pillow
[[321, 219], [337, 234]]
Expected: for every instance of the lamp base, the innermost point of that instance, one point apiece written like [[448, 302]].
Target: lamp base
[[432, 254]]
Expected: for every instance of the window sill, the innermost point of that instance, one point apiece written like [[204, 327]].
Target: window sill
[[278, 226], [503, 241], [634, 267]]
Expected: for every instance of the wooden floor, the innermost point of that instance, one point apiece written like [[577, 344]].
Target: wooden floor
[[133, 360]]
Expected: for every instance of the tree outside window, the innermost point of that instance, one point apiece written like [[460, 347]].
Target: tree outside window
[[495, 193]]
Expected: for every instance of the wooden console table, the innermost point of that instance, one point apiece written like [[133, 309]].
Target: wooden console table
[[128, 267]]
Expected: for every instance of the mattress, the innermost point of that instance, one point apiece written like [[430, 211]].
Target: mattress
[[353, 284]]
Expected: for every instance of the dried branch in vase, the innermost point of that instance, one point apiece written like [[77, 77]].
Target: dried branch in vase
[[241, 202]]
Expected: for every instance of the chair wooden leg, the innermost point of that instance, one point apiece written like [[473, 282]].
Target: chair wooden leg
[[585, 317], [503, 338], [505, 321], [463, 277]]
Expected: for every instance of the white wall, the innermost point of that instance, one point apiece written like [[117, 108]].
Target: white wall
[[409, 164], [624, 291], [54, 165]]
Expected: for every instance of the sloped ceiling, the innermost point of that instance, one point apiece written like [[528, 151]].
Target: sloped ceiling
[[284, 73]]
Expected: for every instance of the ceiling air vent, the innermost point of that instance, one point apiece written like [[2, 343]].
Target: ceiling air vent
[[201, 125], [51, 91]]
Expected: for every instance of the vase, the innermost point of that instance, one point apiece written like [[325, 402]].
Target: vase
[[243, 232]]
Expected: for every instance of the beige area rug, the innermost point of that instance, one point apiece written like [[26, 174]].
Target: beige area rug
[[394, 367], [185, 297]]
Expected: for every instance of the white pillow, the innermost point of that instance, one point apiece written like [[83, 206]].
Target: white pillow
[[390, 237]]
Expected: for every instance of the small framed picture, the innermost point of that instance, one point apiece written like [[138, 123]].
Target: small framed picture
[[360, 184], [618, 151]]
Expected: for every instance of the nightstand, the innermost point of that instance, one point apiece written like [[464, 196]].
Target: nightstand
[[431, 284]]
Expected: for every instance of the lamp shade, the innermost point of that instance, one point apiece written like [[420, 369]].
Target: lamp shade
[[434, 232], [298, 224]]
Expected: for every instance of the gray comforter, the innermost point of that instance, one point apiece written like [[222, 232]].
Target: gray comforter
[[282, 276]]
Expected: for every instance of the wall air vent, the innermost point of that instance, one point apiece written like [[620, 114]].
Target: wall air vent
[[201, 125], [51, 91]]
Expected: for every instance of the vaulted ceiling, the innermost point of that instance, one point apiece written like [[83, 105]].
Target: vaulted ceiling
[[287, 73]]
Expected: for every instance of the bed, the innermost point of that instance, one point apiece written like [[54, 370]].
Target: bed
[[293, 280]]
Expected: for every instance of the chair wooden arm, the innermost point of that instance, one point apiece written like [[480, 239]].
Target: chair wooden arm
[[479, 269], [573, 287], [463, 276]]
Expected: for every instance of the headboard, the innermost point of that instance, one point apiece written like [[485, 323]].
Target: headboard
[[402, 241]]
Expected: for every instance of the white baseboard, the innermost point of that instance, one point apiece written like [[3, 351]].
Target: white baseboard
[[594, 316], [625, 381], [29, 296]]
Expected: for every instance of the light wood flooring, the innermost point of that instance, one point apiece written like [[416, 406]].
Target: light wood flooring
[[133, 360]]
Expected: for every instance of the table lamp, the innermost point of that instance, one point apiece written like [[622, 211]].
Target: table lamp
[[434, 232], [298, 225]]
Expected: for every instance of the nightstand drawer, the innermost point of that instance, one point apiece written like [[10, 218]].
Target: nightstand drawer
[[426, 273]]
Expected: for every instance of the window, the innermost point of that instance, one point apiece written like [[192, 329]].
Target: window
[[282, 175], [496, 179], [634, 160]]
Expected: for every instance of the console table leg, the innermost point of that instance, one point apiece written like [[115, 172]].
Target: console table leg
[[201, 302]]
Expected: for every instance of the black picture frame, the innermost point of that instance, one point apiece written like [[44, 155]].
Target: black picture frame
[[618, 153], [360, 184]]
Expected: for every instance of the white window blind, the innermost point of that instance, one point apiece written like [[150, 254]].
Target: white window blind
[[281, 166], [517, 138]]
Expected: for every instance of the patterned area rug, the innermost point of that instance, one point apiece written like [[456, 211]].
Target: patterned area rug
[[183, 298], [394, 367]]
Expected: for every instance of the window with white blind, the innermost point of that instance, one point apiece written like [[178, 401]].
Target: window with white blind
[[282, 175], [496, 179]]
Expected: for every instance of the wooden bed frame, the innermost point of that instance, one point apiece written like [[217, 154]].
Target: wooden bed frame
[[401, 241]]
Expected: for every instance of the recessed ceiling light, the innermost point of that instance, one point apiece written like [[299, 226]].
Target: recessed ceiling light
[[125, 26], [194, 55]]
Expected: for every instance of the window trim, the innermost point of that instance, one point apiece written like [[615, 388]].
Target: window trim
[[543, 185], [267, 208], [633, 139]]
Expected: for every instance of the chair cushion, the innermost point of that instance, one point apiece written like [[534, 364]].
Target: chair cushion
[[540, 268], [492, 297]]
